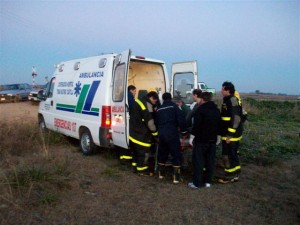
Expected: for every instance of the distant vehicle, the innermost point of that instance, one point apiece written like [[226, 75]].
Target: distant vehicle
[[203, 87], [200, 85], [14, 92], [33, 94]]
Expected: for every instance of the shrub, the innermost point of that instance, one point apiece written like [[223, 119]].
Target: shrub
[[272, 132]]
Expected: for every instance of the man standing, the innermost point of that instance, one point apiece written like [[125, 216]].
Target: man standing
[[126, 154], [185, 109], [131, 95], [205, 129], [169, 118], [194, 106], [231, 132], [141, 129]]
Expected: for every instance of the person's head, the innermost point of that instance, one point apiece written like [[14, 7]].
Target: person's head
[[178, 101], [205, 96], [196, 95], [167, 97], [132, 89], [227, 89], [153, 97]]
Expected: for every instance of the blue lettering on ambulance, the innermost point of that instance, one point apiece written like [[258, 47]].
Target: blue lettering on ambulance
[[91, 74]]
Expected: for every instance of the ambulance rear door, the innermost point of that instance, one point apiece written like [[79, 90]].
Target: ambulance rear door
[[119, 107], [184, 80]]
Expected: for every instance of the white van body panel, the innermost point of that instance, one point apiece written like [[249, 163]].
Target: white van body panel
[[91, 93], [120, 113], [78, 96]]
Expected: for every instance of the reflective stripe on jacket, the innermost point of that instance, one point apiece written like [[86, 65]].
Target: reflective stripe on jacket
[[231, 124], [141, 124]]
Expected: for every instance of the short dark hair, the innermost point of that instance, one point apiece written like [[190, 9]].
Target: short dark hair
[[197, 92], [206, 96], [167, 96], [177, 99], [131, 87], [152, 94], [228, 86]]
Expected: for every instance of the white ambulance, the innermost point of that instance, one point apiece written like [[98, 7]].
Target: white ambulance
[[87, 98]]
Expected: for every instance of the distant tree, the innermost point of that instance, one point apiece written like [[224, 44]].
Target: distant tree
[[257, 91]]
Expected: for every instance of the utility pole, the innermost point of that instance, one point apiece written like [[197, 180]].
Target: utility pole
[[34, 74]]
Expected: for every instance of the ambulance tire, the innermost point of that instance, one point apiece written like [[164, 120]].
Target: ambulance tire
[[42, 124], [87, 144]]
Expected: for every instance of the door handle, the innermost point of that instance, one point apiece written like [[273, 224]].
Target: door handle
[[51, 102]]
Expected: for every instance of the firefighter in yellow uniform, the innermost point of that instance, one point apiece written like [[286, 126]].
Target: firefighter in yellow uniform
[[231, 132], [141, 130]]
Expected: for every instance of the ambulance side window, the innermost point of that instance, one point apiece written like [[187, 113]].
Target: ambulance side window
[[118, 85], [50, 88]]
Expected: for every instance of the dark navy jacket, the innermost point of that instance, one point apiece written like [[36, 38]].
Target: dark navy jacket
[[169, 118]]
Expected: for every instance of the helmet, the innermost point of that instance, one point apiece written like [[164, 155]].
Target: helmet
[[237, 94], [152, 89]]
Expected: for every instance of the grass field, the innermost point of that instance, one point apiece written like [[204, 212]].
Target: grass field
[[44, 179]]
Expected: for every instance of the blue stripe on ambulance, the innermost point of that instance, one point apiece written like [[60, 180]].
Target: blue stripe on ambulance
[[65, 109], [90, 97]]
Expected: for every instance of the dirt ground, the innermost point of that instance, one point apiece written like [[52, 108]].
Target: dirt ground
[[97, 190]]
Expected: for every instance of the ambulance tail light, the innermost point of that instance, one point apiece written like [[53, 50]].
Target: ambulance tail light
[[106, 116], [140, 57]]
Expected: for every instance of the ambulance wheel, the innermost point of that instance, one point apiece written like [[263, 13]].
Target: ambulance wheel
[[42, 124], [87, 145]]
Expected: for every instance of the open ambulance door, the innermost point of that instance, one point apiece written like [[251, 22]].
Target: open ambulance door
[[119, 107], [184, 80]]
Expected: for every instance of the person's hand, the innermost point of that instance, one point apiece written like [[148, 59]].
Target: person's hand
[[191, 139], [218, 140], [228, 139]]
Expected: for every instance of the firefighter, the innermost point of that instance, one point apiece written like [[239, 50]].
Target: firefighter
[[231, 132], [169, 118], [141, 130]]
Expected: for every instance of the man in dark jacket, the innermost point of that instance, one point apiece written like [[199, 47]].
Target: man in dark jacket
[[141, 129], [168, 119], [126, 154], [131, 95], [205, 129], [231, 132]]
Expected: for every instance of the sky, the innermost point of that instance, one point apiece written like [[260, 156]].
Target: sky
[[254, 44]]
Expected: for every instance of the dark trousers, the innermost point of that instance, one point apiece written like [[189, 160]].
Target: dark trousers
[[231, 150], [169, 144], [203, 156], [139, 152], [125, 154]]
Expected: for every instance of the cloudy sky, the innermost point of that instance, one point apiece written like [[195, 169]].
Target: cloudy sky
[[254, 44]]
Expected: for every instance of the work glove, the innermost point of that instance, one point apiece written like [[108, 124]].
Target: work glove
[[218, 140], [191, 139]]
